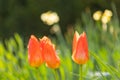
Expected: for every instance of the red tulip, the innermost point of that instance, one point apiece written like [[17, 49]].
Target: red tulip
[[80, 48], [42, 51], [35, 56], [50, 56]]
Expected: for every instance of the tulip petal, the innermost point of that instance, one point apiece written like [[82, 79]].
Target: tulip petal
[[35, 56], [75, 40], [51, 58]]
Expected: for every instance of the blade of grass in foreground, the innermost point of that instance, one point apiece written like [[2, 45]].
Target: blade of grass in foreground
[[113, 73]]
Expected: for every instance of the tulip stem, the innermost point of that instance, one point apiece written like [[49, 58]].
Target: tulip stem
[[56, 74], [37, 73], [81, 72]]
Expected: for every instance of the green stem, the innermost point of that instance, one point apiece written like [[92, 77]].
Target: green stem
[[37, 74], [81, 72], [56, 74]]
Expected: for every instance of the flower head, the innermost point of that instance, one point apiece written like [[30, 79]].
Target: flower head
[[50, 17], [80, 48], [51, 58], [106, 17], [42, 51], [97, 15], [108, 13]]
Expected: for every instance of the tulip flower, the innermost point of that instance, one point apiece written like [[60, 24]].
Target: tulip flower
[[80, 48], [50, 56], [42, 51], [35, 56]]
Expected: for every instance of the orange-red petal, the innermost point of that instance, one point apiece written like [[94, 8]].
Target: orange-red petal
[[50, 56], [35, 56], [75, 40], [81, 54], [44, 40]]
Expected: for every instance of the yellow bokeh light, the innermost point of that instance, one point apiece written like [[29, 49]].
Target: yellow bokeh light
[[49, 17], [105, 19], [108, 13], [97, 15]]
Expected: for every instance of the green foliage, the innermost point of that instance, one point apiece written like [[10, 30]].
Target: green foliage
[[104, 52]]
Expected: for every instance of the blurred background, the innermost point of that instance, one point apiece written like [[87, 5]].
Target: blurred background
[[58, 19], [23, 16]]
